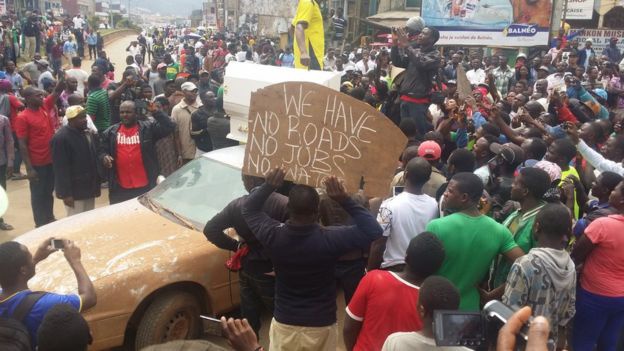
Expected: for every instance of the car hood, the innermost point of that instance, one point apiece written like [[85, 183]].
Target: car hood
[[112, 240]]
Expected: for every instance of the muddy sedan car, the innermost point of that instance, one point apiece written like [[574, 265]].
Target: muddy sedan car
[[152, 267]]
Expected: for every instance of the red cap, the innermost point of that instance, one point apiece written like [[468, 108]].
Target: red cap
[[429, 150]]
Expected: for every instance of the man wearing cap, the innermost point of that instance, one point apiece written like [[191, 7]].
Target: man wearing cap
[[159, 83], [74, 159], [44, 68], [431, 151], [30, 71], [403, 217], [612, 51], [421, 61], [181, 115], [127, 151], [34, 131], [309, 43], [586, 53]]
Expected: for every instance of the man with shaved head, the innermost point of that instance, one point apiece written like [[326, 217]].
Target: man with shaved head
[[402, 217], [127, 150]]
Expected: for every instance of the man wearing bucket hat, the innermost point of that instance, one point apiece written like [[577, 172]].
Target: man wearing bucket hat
[[74, 158]]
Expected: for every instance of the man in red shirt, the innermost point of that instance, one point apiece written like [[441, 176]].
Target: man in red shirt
[[128, 150], [34, 131], [386, 302]]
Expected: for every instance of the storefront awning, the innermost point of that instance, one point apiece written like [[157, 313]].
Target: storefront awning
[[391, 18]]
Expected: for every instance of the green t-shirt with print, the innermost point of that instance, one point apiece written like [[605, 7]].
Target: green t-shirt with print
[[470, 244]]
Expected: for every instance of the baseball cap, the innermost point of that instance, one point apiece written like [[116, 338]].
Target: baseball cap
[[43, 62], [509, 152], [521, 55], [73, 111], [429, 150], [452, 81], [415, 24], [161, 65], [188, 86]]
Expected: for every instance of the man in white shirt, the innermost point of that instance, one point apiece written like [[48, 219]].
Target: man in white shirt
[[557, 79], [476, 74], [330, 61], [78, 73], [365, 65], [78, 22], [133, 49], [43, 66], [403, 217]]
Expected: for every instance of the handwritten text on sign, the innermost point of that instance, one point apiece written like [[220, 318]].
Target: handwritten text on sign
[[316, 132]]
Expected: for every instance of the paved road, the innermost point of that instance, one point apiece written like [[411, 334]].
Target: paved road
[[20, 214]]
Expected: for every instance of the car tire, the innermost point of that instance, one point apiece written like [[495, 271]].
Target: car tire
[[171, 316]]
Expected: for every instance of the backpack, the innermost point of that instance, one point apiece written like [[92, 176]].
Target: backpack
[[13, 333]]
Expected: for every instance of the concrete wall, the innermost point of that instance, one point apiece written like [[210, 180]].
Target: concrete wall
[[266, 17]]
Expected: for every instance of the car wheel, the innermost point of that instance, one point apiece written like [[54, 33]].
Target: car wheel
[[172, 316]]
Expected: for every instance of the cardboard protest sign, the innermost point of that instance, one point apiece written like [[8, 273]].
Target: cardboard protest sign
[[316, 132]]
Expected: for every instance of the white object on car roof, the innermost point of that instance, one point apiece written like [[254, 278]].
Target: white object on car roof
[[243, 78]]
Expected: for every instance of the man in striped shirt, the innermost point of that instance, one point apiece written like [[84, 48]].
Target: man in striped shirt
[[98, 105]]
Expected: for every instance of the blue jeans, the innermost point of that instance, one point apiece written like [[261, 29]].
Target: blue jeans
[[418, 113], [256, 292], [598, 321], [41, 199]]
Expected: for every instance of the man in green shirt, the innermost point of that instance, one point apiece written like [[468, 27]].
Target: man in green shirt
[[528, 188], [471, 240], [172, 68], [98, 104]]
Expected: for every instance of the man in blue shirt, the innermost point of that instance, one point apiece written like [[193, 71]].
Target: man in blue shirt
[[92, 42], [18, 266], [304, 256]]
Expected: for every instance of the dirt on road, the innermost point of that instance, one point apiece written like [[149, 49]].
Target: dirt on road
[[19, 214]]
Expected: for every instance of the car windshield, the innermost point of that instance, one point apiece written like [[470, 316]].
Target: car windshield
[[198, 191]]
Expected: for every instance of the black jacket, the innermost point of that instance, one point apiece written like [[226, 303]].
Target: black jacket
[[421, 67], [149, 132], [75, 163]]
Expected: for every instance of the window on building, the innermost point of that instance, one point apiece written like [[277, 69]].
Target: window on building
[[413, 4]]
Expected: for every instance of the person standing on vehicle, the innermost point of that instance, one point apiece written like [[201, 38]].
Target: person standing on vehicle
[[18, 267], [257, 285], [74, 157], [127, 151], [181, 115], [34, 130], [199, 121], [421, 60], [304, 255], [309, 35]]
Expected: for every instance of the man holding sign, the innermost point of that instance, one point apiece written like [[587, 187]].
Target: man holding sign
[[309, 35], [304, 256]]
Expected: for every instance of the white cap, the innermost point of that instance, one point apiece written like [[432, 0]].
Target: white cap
[[188, 86]]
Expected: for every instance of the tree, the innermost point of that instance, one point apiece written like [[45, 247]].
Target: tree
[[94, 22]]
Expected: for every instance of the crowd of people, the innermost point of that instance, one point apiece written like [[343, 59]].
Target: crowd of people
[[510, 190]]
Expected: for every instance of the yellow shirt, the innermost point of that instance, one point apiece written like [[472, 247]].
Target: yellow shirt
[[564, 175], [309, 12]]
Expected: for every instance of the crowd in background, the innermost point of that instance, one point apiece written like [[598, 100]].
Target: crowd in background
[[510, 185]]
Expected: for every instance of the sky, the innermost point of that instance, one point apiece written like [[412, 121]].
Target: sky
[[182, 7]]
